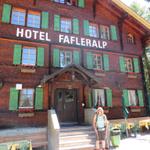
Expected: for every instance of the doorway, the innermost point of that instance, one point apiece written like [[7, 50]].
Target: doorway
[[66, 105]]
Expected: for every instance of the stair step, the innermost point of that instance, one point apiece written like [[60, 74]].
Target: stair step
[[79, 142], [75, 128], [86, 147], [76, 133], [77, 137]]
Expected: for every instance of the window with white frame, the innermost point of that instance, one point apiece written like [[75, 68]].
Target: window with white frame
[[18, 16], [66, 25], [129, 64], [99, 97], [97, 61], [148, 53], [26, 98], [33, 19], [68, 2], [93, 30], [29, 56], [133, 100], [104, 32], [65, 58], [60, 1], [130, 39]]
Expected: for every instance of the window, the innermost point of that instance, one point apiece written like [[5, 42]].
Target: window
[[128, 65], [60, 1], [66, 25], [97, 61], [26, 98], [65, 58], [29, 56], [102, 97], [133, 97], [130, 39], [99, 97], [93, 30], [148, 53], [18, 16], [133, 100], [33, 19], [104, 32], [79, 3]]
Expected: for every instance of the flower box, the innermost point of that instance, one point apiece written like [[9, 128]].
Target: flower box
[[106, 109]]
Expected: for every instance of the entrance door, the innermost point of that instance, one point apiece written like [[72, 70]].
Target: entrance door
[[66, 105]]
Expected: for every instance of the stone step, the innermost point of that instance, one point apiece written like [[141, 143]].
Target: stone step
[[75, 137], [79, 143], [76, 128], [81, 147], [62, 134]]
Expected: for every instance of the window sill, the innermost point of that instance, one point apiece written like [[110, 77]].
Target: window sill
[[28, 69], [135, 108], [22, 115], [100, 73], [26, 112], [132, 75]]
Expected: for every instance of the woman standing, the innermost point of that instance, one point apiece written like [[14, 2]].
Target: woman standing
[[100, 127]]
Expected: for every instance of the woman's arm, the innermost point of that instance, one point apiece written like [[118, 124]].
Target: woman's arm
[[94, 123]]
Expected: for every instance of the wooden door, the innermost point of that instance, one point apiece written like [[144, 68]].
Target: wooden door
[[66, 105]]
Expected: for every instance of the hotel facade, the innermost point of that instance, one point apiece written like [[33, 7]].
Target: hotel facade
[[71, 56]]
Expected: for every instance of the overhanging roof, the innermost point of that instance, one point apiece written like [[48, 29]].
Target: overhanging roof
[[132, 13], [86, 75]]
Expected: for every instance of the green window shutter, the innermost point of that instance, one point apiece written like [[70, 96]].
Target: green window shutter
[[56, 23], [81, 3], [109, 97], [140, 96], [56, 57], [113, 32], [13, 100], [6, 13], [126, 98], [17, 54], [86, 27], [40, 56], [38, 98], [136, 65], [94, 98], [75, 26], [76, 57], [106, 62], [45, 20], [90, 100], [122, 64], [89, 60]]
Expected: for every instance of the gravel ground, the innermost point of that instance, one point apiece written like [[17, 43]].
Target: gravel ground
[[141, 142]]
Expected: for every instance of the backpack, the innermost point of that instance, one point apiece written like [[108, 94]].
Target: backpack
[[100, 121]]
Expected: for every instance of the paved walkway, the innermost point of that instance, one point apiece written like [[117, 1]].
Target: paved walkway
[[141, 142]]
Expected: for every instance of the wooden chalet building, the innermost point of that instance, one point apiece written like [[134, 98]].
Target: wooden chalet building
[[70, 55]]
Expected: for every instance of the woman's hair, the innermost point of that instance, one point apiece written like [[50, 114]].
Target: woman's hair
[[100, 109]]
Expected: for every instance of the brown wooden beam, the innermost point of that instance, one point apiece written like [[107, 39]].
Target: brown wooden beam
[[120, 26], [94, 8]]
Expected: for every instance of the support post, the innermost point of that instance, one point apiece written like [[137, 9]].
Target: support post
[[53, 130]]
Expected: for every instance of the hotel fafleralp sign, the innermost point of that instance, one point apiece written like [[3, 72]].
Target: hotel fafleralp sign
[[62, 38]]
